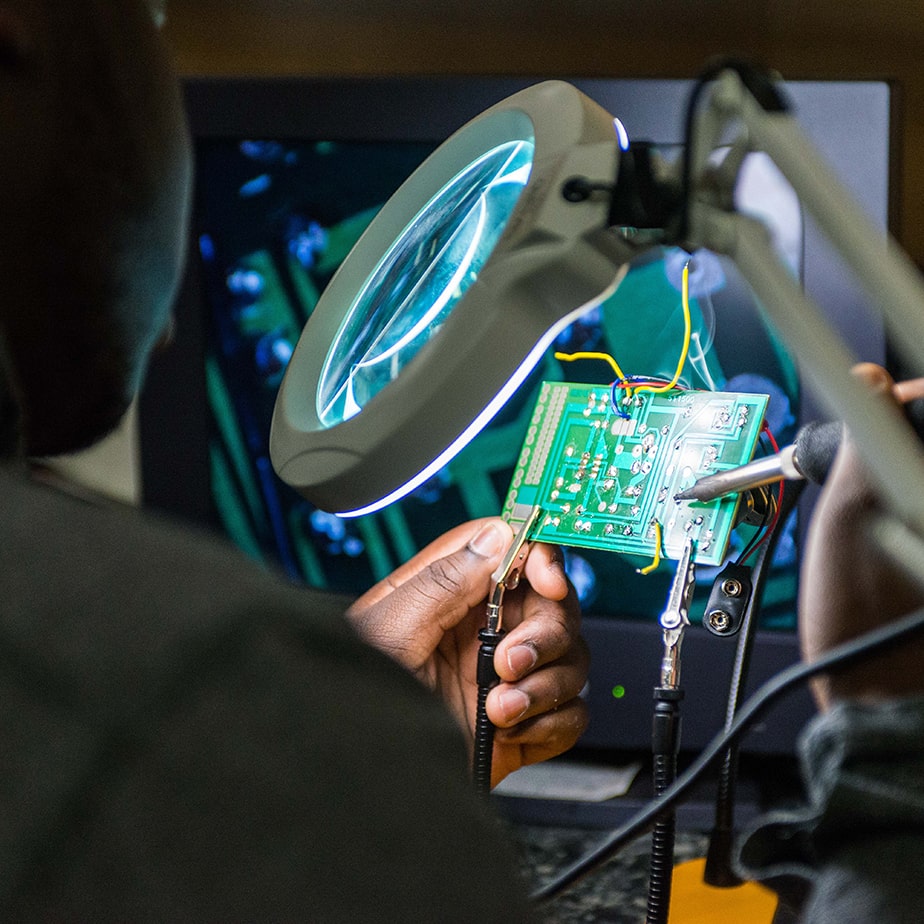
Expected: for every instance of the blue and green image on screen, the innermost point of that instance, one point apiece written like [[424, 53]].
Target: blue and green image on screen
[[275, 221]]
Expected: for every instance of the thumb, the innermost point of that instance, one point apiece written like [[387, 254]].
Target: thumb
[[430, 595]]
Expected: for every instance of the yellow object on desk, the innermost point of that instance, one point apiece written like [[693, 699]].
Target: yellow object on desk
[[695, 902]]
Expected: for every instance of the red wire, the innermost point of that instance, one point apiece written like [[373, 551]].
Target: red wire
[[750, 549]]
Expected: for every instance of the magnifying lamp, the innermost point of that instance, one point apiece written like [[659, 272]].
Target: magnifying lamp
[[491, 248], [482, 257], [448, 301]]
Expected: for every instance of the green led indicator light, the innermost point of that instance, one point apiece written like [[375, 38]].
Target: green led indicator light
[[619, 691]]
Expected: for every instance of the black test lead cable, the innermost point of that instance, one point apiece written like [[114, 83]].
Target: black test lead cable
[[665, 734], [865, 645], [506, 577]]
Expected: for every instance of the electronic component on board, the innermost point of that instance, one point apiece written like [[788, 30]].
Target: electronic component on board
[[606, 475]]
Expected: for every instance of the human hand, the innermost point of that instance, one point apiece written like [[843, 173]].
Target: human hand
[[848, 587], [427, 613]]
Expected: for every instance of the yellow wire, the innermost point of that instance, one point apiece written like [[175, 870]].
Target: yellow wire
[[687, 333], [620, 375], [657, 552], [570, 357]]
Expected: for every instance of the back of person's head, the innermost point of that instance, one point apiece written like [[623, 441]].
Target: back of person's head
[[94, 159]]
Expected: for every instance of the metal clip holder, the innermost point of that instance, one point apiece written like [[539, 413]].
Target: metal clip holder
[[507, 575], [676, 616]]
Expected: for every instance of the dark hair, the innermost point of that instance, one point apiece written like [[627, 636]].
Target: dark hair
[[99, 250], [11, 444]]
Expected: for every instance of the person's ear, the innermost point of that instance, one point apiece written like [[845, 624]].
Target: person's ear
[[15, 40]]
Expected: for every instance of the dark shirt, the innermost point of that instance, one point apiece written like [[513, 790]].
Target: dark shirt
[[853, 852], [185, 737]]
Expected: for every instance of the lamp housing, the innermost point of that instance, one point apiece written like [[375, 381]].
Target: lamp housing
[[354, 431]]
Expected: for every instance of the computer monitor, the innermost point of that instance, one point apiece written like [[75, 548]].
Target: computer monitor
[[288, 174]]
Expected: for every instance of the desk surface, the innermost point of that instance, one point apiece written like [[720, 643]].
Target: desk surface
[[616, 894]]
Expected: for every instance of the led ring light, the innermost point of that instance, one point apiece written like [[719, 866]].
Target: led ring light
[[448, 300]]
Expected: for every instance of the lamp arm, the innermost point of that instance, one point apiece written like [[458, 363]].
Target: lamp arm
[[885, 441], [889, 276]]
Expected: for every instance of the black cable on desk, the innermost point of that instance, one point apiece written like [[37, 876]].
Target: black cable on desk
[[868, 644]]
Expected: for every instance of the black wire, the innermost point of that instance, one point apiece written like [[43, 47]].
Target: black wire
[[718, 871], [856, 649], [758, 82], [766, 522], [483, 752], [665, 741], [772, 505], [661, 859]]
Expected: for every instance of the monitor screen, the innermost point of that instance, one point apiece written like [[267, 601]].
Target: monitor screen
[[288, 175]]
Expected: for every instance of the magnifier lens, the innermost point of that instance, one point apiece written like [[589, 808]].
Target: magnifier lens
[[421, 278]]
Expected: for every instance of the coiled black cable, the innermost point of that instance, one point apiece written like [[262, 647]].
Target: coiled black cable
[[663, 834], [665, 746], [482, 757]]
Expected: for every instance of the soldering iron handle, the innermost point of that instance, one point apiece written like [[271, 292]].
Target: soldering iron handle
[[817, 443]]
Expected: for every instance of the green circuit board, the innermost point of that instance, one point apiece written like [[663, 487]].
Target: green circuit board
[[606, 478]]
